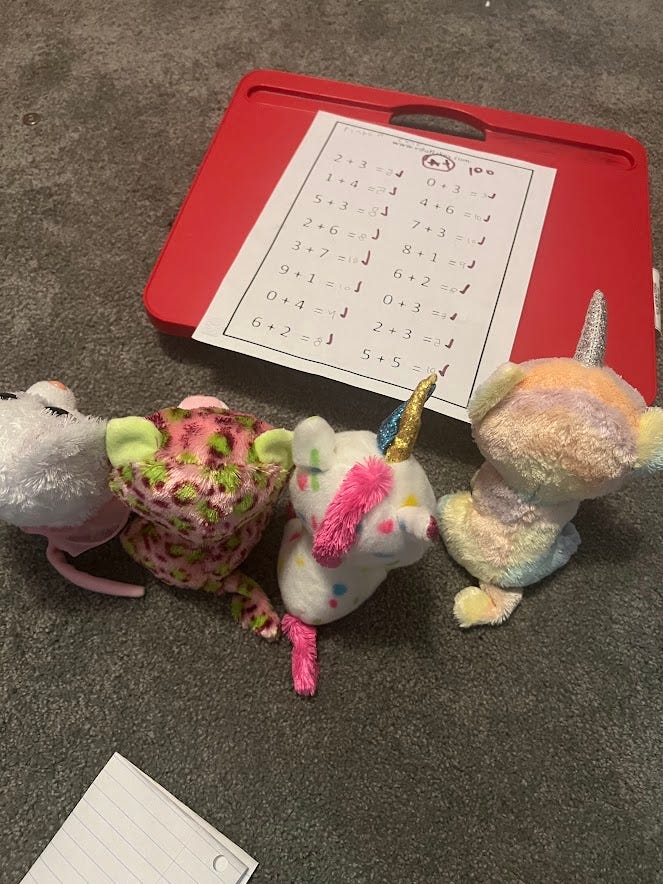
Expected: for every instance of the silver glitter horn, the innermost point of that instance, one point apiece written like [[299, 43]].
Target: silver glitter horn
[[591, 344]]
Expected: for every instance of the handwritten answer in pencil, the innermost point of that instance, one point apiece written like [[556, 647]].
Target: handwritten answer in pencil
[[382, 257], [129, 828]]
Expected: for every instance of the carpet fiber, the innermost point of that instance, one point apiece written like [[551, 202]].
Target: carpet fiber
[[529, 753]]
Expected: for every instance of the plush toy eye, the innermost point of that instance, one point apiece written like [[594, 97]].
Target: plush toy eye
[[8, 396], [60, 412]]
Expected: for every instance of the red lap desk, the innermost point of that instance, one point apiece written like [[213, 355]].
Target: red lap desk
[[596, 233]]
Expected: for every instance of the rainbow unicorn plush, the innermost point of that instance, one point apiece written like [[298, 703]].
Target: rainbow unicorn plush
[[362, 507], [554, 432]]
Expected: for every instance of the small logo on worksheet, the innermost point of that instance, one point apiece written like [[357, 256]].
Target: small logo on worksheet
[[438, 162]]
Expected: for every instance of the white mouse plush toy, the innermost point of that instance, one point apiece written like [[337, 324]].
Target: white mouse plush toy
[[54, 475]]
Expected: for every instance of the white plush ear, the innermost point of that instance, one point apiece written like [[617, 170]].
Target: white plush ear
[[313, 444], [494, 389], [54, 393], [650, 441]]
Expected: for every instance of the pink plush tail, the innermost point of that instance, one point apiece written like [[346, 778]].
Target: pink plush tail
[[59, 561], [304, 654]]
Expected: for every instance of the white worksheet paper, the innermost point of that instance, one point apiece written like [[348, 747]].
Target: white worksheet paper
[[382, 257], [127, 828]]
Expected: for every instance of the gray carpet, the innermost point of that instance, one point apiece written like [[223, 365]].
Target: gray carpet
[[525, 754]]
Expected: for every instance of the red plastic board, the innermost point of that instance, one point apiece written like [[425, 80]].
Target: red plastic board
[[596, 233]]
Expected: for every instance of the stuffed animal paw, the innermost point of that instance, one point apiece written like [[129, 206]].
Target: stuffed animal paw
[[474, 606]]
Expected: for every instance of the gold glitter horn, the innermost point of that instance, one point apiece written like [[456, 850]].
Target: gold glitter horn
[[410, 422]]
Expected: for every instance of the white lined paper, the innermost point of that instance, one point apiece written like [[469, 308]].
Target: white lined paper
[[128, 828]]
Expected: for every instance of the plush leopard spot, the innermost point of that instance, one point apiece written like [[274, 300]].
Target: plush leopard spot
[[260, 478], [127, 473], [186, 493], [155, 472], [244, 504], [180, 525], [259, 621], [245, 590], [208, 513], [227, 477], [219, 443], [175, 550], [188, 457], [178, 574], [222, 570], [212, 586], [196, 555], [233, 542], [245, 421], [176, 414]]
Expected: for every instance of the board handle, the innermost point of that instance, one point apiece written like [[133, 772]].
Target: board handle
[[441, 120], [301, 92]]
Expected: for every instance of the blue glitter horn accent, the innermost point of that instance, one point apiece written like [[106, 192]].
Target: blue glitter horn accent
[[390, 427]]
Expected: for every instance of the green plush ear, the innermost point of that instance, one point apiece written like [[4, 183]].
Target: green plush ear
[[275, 446], [131, 440], [494, 389], [650, 441]]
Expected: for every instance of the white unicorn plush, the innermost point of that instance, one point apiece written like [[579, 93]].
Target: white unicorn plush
[[362, 507]]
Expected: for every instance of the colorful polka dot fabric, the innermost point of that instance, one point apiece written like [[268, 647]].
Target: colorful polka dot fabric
[[362, 506]]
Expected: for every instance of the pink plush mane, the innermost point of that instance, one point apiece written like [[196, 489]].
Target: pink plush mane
[[365, 485]]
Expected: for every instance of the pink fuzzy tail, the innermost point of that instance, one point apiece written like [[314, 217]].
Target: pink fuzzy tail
[[304, 655]]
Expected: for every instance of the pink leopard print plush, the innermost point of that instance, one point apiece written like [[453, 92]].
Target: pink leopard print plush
[[201, 503]]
